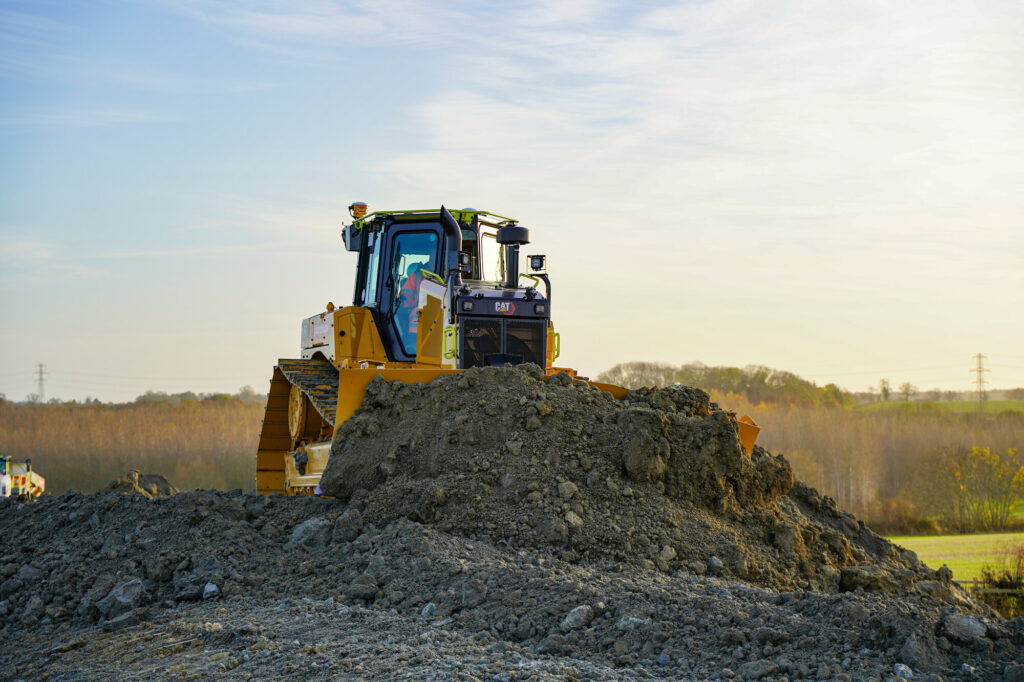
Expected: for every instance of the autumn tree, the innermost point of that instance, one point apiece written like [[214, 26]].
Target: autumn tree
[[971, 489]]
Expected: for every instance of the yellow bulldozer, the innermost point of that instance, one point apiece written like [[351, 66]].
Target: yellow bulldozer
[[18, 480], [437, 291]]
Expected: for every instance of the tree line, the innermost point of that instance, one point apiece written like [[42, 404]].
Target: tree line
[[195, 440], [756, 383]]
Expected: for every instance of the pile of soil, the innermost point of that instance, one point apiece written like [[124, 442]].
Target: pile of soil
[[657, 480], [490, 526], [119, 586]]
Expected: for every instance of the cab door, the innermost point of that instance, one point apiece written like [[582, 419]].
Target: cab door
[[411, 252]]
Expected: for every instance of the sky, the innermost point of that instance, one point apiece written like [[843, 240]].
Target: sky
[[834, 189]]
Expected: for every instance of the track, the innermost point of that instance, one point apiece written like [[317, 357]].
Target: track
[[318, 380]]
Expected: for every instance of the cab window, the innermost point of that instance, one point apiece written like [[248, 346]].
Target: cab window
[[369, 286], [412, 254]]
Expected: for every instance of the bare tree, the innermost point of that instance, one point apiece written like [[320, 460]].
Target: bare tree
[[908, 390], [885, 389]]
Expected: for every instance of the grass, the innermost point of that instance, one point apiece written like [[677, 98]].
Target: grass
[[958, 406], [964, 554]]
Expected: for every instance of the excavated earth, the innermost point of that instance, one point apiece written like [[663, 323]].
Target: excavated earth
[[492, 525]]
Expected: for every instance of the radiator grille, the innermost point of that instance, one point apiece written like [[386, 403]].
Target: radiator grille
[[490, 341]]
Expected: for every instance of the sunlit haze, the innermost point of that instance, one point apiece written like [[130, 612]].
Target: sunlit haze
[[835, 189]]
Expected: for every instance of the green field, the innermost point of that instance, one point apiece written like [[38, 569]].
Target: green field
[[991, 406], [964, 554]]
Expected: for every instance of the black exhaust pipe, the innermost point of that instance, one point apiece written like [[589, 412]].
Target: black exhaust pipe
[[511, 237], [453, 244]]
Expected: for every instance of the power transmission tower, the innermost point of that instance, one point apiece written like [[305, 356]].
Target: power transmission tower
[[40, 375], [979, 379]]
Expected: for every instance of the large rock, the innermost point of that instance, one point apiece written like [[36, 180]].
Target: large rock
[[363, 587], [348, 526], [870, 577], [962, 629], [577, 618], [314, 532], [122, 599]]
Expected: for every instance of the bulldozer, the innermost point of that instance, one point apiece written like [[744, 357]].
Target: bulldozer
[[437, 291], [19, 481]]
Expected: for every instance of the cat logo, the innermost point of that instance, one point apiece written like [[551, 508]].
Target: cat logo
[[507, 307]]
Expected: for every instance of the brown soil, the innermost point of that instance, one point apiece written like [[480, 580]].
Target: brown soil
[[490, 526], [658, 480]]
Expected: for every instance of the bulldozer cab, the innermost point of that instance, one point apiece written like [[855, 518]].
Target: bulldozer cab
[[492, 315], [394, 260]]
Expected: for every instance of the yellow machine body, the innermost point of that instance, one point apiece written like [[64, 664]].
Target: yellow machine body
[[17, 479]]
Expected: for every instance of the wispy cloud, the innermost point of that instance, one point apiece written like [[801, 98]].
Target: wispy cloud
[[201, 251], [25, 260], [24, 252], [700, 107], [279, 22], [73, 117]]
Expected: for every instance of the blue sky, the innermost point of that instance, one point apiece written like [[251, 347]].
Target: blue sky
[[828, 188]]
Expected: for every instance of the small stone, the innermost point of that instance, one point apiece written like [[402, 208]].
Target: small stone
[[125, 620], [33, 610], [210, 591], [715, 565], [667, 553], [363, 587], [577, 618], [918, 651], [10, 586], [28, 573], [567, 490], [755, 670], [472, 593], [573, 519], [902, 671], [533, 423], [1013, 672], [631, 623], [663, 659], [553, 644], [429, 610], [189, 593]]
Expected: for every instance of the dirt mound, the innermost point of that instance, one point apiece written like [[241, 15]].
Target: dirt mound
[[493, 525], [658, 479], [147, 485], [118, 586]]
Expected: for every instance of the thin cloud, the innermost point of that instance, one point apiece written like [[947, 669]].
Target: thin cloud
[[272, 22], [72, 117], [26, 253], [29, 260]]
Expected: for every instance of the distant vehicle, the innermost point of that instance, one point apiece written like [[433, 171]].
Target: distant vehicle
[[18, 480]]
